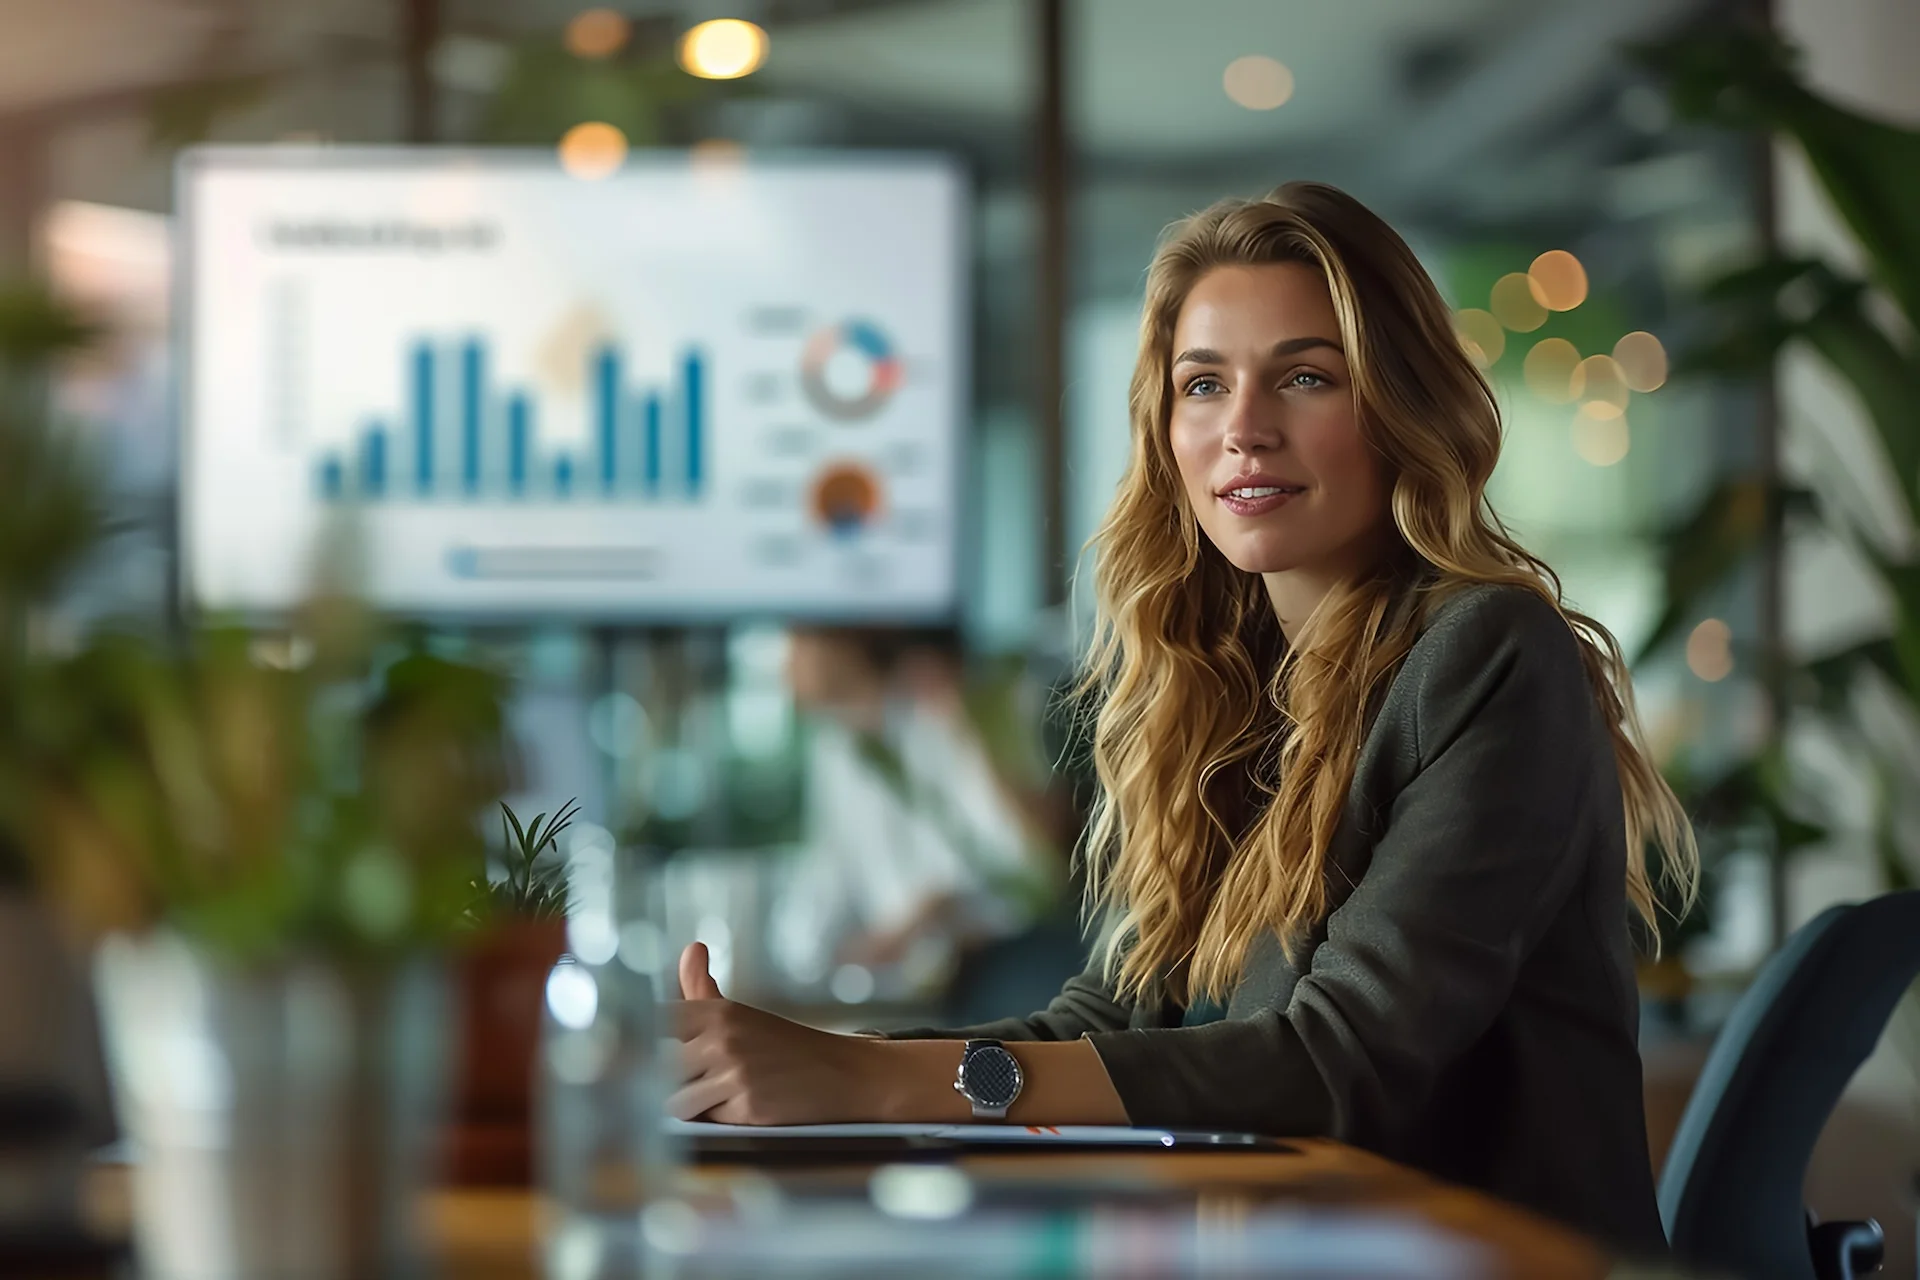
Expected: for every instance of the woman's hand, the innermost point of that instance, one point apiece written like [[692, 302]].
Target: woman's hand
[[745, 1066]]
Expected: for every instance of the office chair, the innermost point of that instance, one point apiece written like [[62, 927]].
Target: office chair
[[1731, 1193]]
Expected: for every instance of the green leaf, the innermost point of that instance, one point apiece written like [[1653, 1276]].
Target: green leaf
[[519, 835], [1748, 78]]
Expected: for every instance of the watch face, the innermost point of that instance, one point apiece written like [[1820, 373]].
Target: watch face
[[993, 1076]]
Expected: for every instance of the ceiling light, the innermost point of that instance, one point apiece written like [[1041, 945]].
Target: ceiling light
[[723, 49], [1257, 83], [596, 33]]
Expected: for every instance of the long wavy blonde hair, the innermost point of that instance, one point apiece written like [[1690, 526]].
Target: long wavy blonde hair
[[1224, 754]]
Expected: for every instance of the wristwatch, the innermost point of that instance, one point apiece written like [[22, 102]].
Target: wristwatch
[[989, 1078]]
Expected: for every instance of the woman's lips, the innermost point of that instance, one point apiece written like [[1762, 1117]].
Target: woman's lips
[[1258, 506]]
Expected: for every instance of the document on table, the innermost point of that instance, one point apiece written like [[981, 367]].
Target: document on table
[[1012, 1134]]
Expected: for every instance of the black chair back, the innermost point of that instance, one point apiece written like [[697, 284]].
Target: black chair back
[[1731, 1192]]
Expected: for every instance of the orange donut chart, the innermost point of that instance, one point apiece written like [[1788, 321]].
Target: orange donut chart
[[845, 498]]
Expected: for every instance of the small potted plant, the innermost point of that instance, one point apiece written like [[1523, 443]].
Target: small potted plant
[[502, 980]]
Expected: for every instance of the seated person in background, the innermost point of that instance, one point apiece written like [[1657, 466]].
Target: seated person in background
[[926, 831], [1375, 815]]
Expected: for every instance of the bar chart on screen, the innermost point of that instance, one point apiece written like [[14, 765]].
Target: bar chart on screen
[[646, 444], [652, 397]]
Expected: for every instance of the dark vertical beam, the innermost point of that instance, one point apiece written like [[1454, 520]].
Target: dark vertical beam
[[23, 192], [1051, 195], [419, 33]]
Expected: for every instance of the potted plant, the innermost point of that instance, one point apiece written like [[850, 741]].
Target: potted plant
[[502, 982], [274, 836]]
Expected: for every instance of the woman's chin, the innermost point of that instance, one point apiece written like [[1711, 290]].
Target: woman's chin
[[1254, 558]]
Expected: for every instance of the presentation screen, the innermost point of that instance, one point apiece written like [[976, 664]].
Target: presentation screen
[[693, 389]]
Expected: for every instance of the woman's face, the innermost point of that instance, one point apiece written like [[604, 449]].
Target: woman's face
[[1265, 427]]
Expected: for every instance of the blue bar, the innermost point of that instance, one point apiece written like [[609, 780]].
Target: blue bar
[[332, 479], [373, 461], [518, 431], [423, 417], [470, 416], [607, 394], [652, 414], [562, 475], [693, 422]]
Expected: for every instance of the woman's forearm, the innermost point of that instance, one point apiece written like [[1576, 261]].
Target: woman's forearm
[[1065, 1083]]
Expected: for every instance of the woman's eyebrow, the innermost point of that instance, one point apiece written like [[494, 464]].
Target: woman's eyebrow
[[1292, 346]]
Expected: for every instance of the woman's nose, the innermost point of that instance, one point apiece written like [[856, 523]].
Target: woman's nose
[[1253, 426]]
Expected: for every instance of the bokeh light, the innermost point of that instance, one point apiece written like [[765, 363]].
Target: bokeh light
[[1516, 303], [1601, 440], [1642, 360], [1481, 335], [1560, 280], [1549, 369], [593, 150], [1710, 650], [723, 49], [1600, 383], [1257, 83], [597, 33]]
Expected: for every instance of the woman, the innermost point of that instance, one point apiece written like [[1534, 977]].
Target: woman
[[1375, 814]]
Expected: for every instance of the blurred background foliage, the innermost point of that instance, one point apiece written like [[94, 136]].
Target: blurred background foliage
[[264, 792], [1749, 80]]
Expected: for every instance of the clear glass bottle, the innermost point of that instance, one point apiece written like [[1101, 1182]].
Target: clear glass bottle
[[605, 1067]]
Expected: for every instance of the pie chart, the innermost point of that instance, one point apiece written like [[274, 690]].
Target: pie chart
[[845, 498], [848, 371]]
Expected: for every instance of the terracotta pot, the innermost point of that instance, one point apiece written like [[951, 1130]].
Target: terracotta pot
[[500, 983]]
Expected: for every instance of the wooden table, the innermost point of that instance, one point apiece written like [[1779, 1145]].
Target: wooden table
[[492, 1235]]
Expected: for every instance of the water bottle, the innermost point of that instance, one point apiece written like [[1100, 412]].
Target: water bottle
[[605, 1070]]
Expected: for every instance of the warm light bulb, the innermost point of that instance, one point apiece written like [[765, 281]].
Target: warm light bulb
[[1481, 335], [1600, 382], [593, 150], [723, 49], [1642, 360], [1549, 369], [1601, 439], [1710, 650], [596, 33], [1561, 280], [1257, 83], [1516, 304]]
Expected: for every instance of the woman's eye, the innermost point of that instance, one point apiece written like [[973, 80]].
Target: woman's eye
[[1204, 385], [1313, 380]]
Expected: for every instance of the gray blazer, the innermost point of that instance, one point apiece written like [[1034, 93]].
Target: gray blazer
[[1468, 1005]]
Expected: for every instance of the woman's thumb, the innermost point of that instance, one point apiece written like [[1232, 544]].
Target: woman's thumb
[[696, 980]]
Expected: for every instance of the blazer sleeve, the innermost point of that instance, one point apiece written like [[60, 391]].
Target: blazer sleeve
[[1085, 1005], [1480, 848]]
